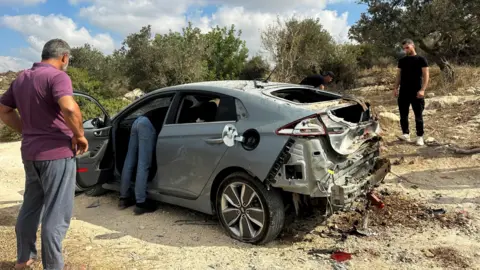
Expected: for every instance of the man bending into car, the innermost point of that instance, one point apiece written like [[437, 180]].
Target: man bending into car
[[317, 80], [51, 125], [140, 153]]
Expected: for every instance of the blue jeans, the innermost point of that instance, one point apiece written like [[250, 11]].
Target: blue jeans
[[140, 152]]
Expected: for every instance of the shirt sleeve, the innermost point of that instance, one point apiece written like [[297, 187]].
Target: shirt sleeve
[[61, 86], [423, 62], [7, 99]]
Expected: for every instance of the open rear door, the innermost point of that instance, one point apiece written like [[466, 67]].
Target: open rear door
[[91, 167]]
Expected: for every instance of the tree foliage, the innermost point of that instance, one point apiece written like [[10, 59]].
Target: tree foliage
[[446, 30], [298, 47]]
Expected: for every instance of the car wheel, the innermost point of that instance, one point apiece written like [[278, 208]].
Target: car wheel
[[248, 211], [96, 191]]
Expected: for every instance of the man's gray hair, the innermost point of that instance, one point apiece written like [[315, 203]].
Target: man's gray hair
[[407, 41], [55, 48]]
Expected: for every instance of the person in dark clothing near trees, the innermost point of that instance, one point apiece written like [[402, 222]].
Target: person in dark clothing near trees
[[317, 80], [412, 80]]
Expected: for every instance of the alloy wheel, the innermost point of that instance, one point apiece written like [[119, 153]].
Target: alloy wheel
[[242, 210]]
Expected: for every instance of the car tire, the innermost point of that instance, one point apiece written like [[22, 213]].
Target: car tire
[[258, 227], [95, 191]]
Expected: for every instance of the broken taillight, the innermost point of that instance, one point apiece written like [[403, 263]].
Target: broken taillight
[[308, 126]]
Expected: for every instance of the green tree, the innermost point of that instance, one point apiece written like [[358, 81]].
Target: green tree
[[226, 53], [299, 47], [182, 56], [255, 68], [444, 29]]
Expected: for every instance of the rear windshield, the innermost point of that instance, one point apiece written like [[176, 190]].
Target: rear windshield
[[302, 95]]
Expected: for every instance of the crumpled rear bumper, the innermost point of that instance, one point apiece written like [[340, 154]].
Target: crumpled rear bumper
[[342, 195]]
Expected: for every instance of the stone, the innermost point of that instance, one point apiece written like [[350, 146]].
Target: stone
[[445, 101], [430, 95], [476, 157], [429, 112], [470, 91], [430, 140], [390, 116], [428, 254], [132, 95]]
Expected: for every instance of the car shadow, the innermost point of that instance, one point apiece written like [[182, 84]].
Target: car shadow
[[180, 227]]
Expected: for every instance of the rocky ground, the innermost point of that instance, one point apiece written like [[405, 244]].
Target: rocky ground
[[411, 232]]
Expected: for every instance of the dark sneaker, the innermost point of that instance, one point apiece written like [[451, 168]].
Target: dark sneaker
[[145, 207], [125, 203]]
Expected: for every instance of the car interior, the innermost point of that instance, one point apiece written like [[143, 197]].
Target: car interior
[[301, 95], [193, 109], [156, 112]]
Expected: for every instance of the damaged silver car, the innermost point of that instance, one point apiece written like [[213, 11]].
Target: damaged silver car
[[243, 150]]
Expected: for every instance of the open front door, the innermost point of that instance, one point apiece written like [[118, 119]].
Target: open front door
[[95, 165]]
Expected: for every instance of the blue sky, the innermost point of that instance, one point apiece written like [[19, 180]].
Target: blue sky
[[25, 25]]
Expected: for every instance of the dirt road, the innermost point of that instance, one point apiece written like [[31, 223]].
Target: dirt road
[[102, 237]]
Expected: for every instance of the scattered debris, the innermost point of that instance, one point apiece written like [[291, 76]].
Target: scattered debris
[[94, 204], [341, 256], [430, 140]]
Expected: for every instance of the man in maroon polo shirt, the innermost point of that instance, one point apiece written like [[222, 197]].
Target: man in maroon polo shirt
[[51, 125]]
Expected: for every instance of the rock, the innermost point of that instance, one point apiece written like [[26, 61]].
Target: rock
[[430, 140], [445, 101], [132, 95], [428, 254], [380, 109], [142, 227], [87, 248], [476, 157], [430, 95], [429, 112], [470, 91], [390, 116]]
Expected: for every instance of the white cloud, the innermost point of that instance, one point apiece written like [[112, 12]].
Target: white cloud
[[250, 16], [252, 23], [14, 64], [39, 29], [22, 2]]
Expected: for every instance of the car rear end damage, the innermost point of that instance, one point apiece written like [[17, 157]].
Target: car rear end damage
[[333, 153]]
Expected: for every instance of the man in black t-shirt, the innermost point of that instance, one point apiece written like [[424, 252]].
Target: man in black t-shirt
[[412, 78], [317, 80]]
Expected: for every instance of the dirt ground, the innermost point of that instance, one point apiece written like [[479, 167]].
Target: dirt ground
[[404, 235]]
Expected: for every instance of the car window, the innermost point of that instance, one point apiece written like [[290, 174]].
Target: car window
[[157, 103], [302, 95], [199, 108]]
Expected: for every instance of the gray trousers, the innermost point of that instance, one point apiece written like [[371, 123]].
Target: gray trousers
[[49, 185]]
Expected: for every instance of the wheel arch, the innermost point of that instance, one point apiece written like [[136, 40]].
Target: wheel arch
[[222, 175]]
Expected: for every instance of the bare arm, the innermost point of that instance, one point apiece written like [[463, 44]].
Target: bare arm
[[73, 116], [397, 80], [425, 78], [11, 118]]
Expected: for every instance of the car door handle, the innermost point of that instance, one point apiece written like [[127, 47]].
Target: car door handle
[[214, 141]]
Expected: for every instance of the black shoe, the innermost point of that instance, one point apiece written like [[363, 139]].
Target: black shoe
[[125, 203], [145, 207]]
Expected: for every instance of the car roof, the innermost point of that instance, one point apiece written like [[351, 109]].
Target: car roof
[[253, 87]]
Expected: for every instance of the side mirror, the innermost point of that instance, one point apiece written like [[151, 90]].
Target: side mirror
[[97, 122]]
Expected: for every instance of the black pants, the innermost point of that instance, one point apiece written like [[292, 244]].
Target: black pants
[[418, 104]]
